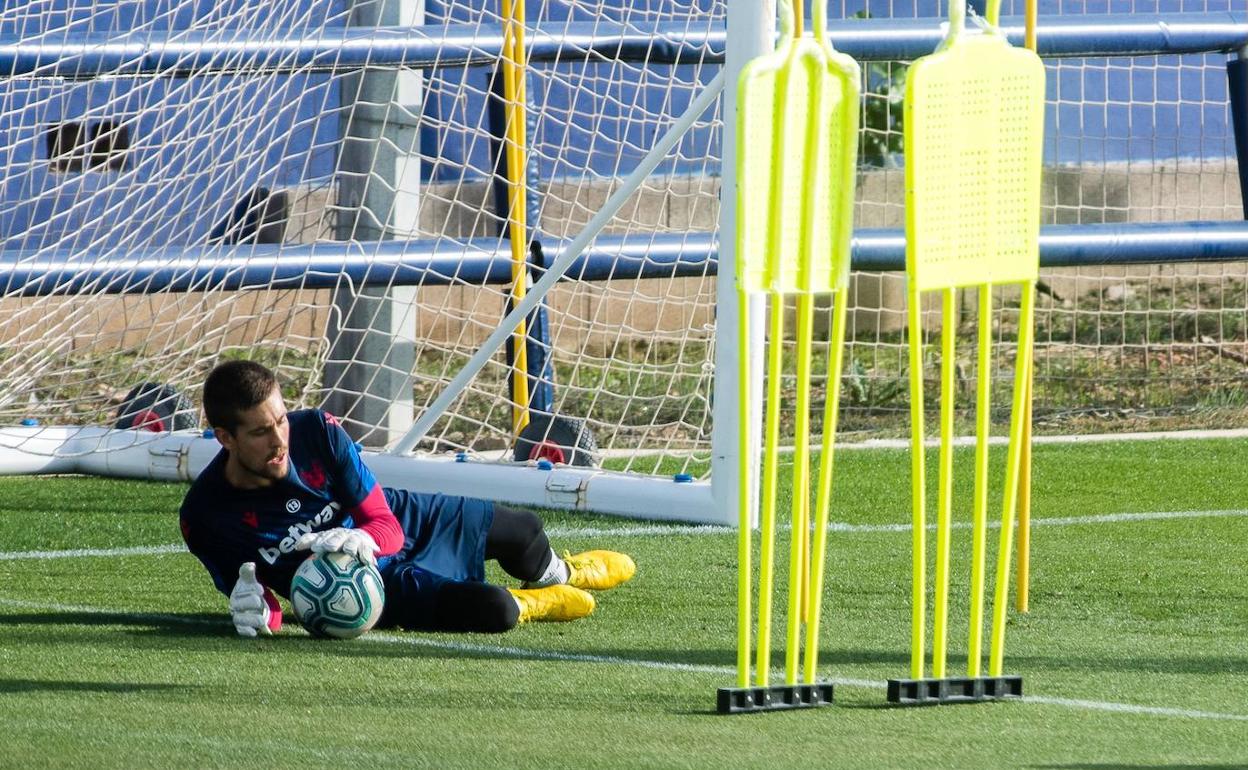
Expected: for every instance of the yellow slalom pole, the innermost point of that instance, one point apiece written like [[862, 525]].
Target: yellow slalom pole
[[767, 517], [996, 654], [823, 494], [918, 608], [1023, 578], [944, 504], [744, 497], [516, 144], [799, 562], [775, 365], [979, 529], [1023, 598]]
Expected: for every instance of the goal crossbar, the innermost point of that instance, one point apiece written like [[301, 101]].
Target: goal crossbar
[[89, 55]]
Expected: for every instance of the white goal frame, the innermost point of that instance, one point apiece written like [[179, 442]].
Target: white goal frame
[[180, 456]]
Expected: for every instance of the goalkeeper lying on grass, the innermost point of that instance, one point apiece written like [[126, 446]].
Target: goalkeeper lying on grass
[[286, 483]]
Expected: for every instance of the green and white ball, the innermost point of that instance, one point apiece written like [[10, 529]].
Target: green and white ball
[[334, 595]]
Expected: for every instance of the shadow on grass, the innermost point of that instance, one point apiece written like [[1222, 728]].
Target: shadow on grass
[[35, 685], [521, 646], [168, 624]]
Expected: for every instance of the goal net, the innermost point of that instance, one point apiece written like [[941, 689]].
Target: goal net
[[351, 225], [186, 181]]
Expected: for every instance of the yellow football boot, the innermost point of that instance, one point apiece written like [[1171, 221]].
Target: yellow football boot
[[552, 603], [599, 570]]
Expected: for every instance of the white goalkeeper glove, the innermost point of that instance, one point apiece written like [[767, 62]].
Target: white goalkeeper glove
[[355, 543], [248, 609]]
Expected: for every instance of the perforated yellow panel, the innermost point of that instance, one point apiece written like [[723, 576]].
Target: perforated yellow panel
[[796, 164], [974, 131]]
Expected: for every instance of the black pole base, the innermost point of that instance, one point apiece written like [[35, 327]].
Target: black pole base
[[977, 689], [739, 700]]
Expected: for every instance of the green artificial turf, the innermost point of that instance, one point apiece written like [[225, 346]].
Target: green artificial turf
[[1133, 654]]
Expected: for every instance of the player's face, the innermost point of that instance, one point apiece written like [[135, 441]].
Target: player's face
[[258, 446]]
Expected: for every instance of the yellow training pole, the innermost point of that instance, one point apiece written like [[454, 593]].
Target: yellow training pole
[[744, 497], [918, 608], [979, 528], [1023, 599], [767, 517], [1023, 578], [823, 493], [516, 144], [944, 500], [799, 563], [996, 653]]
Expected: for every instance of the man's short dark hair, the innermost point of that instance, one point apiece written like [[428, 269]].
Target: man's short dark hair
[[234, 387]]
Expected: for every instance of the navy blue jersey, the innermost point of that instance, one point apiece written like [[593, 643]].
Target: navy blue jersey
[[443, 536], [225, 526]]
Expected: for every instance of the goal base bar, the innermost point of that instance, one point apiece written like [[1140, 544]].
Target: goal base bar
[[780, 697], [970, 689], [181, 457]]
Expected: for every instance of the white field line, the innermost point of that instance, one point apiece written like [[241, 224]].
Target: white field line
[[1054, 521], [965, 441], [140, 550], [695, 530], [519, 653]]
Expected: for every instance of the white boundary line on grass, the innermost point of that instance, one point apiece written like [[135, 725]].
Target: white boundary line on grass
[[696, 530], [520, 653], [138, 550], [965, 441], [1058, 521]]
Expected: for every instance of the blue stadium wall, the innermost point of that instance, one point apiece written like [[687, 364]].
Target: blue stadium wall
[[1108, 110]]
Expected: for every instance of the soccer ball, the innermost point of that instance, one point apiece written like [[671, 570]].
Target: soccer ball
[[334, 595]]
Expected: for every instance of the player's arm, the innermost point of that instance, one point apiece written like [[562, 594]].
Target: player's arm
[[376, 532], [254, 608], [373, 515]]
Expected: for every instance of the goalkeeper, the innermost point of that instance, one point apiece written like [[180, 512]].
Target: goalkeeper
[[286, 483]]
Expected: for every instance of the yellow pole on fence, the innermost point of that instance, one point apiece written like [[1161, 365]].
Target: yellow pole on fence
[[516, 144]]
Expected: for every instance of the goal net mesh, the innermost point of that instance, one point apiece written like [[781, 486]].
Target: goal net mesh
[[120, 190]]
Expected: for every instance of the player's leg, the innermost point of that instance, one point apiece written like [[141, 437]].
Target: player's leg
[[517, 540], [419, 600], [453, 536]]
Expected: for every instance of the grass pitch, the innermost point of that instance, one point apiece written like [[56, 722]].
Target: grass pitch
[[115, 651]]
